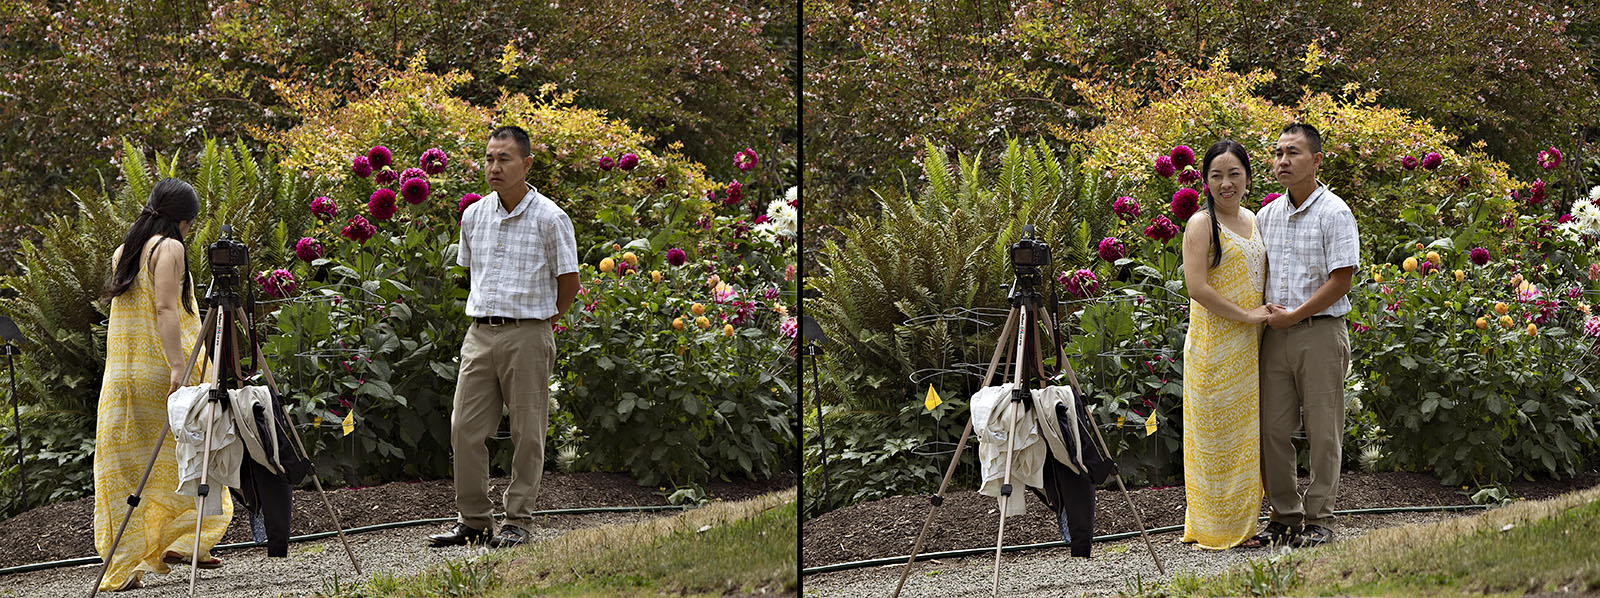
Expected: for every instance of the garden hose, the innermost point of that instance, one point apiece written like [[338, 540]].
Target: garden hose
[[95, 560], [898, 560]]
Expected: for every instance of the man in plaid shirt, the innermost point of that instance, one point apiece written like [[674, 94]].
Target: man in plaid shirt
[[1313, 251], [520, 251]]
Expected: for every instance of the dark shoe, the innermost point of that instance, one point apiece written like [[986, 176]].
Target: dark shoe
[[510, 536], [458, 535], [1275, 534], [1314, 535]]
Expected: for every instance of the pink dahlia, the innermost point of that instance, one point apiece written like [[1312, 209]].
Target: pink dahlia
[[1269, 197], [278, 283], [381, 204], [606, 163], [324, 209], [1189, 176], [746, 159], [1478, 256], [307, 249], [1161, 229], [1111, 249], [1463, 181], [1591, 326], [1182, 156], [433, 160], [1432, 161], [1536, 192], [660, 183], [361, 166], [1164, 166], [735, 193], [415, 191], [359, 230], [628, 161], [789, 328], [1409, 163], [379, 156], [1549, 159], [386, 176], [676, 257], [412, 173], [1126, 208], [467, 200], [1082, 283], [1185, 203]]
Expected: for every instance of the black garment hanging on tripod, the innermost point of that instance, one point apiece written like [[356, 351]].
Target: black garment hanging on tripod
[[267, 494], [1071, 495]]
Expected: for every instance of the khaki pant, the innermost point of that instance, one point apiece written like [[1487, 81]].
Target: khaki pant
[[1302, 371], [502, 367]]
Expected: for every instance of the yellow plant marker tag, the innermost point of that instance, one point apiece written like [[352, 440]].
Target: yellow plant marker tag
[[1150, 423], [933, 399], [349, 424]]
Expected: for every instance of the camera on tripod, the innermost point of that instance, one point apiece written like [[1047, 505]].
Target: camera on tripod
[[1029, 257], [226, 256]]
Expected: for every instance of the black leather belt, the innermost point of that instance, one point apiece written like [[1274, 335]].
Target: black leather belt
[[1321, 316], [500, 321]]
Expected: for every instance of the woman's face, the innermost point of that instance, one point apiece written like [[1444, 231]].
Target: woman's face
[[1227, 179]]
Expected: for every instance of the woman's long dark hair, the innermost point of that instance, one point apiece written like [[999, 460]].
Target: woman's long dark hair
[[171, 201], [1228, 146]]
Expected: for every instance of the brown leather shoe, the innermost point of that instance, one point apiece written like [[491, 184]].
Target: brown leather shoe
[[458, 535]]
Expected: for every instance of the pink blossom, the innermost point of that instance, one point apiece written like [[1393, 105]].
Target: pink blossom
[[1181, 157], [1536, 192], [307, 249], [1126, 208], [1082, 283], [279, 283], [1164, 166], [1432, 161], [359, 230], [412, 173], [386, 176], [467, 200], [790, 327], [1189, 176], [770, 293], [1269, 197], [735, 193], [415, 191], [1479, 256], [660, 183], [1463, 181], [1549, 159], [361, 166], [381, 204], [676, 257], [1161, 229], [788, 273], [606, 163], [1408, 163], [324, 209], [1591, 326], [746, 159], [433, 160], [1185, 203], [628, 161], [379, 156], [1111, 249]]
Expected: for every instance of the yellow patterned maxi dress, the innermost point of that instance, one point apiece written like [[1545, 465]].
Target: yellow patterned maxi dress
[[1221, 403], [132, 411]]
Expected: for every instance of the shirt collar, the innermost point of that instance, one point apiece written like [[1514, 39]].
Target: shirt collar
[[500, 210], [1306, 205]]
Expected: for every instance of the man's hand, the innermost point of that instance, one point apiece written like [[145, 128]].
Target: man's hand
[[1280, 317]]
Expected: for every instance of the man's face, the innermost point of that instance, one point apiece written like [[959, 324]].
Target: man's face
[[1294, 162], [504, 165]]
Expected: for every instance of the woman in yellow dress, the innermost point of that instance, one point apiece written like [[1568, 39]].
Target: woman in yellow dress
[[1224, 268], [152, 328]]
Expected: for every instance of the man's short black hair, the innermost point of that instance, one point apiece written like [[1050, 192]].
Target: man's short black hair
[[516, 134], [1308, 131]]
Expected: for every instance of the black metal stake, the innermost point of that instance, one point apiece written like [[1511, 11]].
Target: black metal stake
[[814, 351], [11, 353]]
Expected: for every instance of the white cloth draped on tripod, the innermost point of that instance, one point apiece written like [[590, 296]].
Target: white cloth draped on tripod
[[992, 410], [186, 413]]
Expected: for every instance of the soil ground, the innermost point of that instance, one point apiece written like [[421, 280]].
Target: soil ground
[[66, 530]]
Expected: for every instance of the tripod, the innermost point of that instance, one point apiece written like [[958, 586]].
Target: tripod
[[813, 335], [1025, 302], [223, 315]]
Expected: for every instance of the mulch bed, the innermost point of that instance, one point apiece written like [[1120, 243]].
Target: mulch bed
[[889, 527], [66, 530]]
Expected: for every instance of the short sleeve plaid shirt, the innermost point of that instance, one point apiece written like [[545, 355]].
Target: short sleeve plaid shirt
[[1305, 245], [515, 257]]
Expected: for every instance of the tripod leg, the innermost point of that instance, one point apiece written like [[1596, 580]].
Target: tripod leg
[[1136, 517], [200, 498], [133, 501], [1019, 385], [961, 445]]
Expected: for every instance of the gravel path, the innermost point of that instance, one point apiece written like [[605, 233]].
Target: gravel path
[[249, 573], [1052, 572]]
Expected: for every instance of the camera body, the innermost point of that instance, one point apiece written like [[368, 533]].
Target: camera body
[[226, 256], [1029, 258]]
